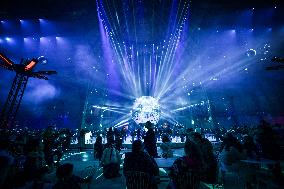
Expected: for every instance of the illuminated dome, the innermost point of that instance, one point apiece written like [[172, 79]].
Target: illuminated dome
[[146, 108]]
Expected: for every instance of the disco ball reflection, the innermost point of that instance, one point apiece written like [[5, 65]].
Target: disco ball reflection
[[146, 108], [251, 53]]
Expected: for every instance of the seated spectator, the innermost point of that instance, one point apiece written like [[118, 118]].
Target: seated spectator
[[34, 159], [111, 161], [268, 141], [66, 179], [6, 163], [166, 147], [232, 151], [211, 166], [138, 160], [188, 163], [250, 148], [98, 148]]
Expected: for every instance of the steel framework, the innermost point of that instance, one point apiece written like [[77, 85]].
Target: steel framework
[[23, 72]]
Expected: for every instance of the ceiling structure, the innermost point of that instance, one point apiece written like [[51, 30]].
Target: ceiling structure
[[70, 36]]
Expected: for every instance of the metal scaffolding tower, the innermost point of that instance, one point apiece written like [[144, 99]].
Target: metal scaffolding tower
[[23, 72]]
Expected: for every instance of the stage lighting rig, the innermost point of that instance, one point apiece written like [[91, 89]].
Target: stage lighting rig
[[276, 67], [24, 70], [277, 59]]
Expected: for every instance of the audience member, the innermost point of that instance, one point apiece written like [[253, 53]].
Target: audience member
[[66, 179], [111, 161], [250, 148], [110, 136], [166, 147], [150, 140], [34, 159], [98, 148], [232, 151], [6, 162], [188, 163], [138, 160]]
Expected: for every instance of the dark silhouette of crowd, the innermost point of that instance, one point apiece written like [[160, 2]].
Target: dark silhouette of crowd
[[27, 156]]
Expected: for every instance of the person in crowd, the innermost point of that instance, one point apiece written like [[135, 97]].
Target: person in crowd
[[111, 161], [230, 156], [190, 162], [141, 161], [208, 159], [48, 141], [110, 136], [250, 148], [268, 141], [34, 159], [66, 179], [150, 140], [118, 139], [232, 150], [166, 147], [98, 148], [6, 162], [81, 139], [269, 145]]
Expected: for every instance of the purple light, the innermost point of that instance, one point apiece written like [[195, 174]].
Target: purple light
[[22, 21]]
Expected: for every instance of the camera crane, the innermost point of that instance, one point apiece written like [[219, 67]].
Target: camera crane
[[24, 71]]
